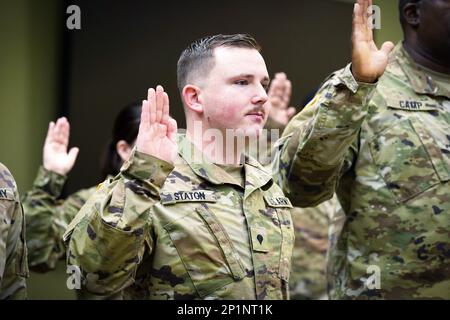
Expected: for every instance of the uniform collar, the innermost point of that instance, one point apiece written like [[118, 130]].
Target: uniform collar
[[422, 80], [255, 175]]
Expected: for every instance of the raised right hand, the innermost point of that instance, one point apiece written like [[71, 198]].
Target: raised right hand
[[56, 158], [279, 98], [157, 131], [368, 63]]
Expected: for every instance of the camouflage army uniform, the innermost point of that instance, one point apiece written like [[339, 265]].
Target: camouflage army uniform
[[13, 251], [47, 218], [192, 231], [309, 258], [394, 185]]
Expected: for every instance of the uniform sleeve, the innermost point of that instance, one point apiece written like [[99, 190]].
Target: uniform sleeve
[[47, 218], [13, 253], [110, 234], [318, 144], [5, 208]]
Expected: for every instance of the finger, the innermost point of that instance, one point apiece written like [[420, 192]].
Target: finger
[[276, 102], [159, 103], [358, 10], [57, 131], [165, 109], [357, 21], [73, 154], [369, 17], [387, 47], [364, 11], [291, 112], [272, 87], [172, 130], [145, 115], [151, 99], [65, 132], [281, 75], [287, 92], [276, 89], [50, 130]]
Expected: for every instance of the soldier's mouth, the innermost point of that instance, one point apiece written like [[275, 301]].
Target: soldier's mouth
[[256, 116]]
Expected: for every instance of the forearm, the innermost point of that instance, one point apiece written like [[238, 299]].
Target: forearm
[[42, 213], [108, 235], [319, 138]]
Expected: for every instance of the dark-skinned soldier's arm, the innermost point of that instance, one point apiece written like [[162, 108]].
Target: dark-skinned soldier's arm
[[319, 142], [316, 146]]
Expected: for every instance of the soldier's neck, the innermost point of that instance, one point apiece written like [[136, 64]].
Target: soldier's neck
[[424, 58], [215, 147]]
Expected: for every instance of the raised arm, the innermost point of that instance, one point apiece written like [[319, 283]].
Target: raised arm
[[111, 233], [318, 144], [46, 215]]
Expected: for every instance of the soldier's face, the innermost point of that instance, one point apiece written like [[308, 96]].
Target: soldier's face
[[234, 94], [434, 30]]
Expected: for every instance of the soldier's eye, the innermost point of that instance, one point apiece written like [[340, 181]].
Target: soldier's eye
[[241, 82]]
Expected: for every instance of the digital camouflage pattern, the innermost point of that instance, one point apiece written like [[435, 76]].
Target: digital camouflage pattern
[[309, 259], [13, 251], [308, 279], [47, 217], [394, 185], [164, 232]]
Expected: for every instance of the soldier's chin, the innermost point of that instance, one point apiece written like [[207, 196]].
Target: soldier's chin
[[250, 131]]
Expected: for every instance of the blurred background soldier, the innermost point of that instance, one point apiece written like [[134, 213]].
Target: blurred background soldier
[[13, 252]]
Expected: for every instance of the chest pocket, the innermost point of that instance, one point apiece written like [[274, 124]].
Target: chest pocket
[[409, 158], [282, 207], [205, 249]]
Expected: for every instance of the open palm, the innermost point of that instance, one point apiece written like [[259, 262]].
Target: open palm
[[368, 63], [157, 131], [55, 155], [279, 97]]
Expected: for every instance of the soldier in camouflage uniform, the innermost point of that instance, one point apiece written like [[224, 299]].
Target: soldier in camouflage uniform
[[47, 216], [309, 258], [13, 251], [309, 263], [394, 184], [204, 229], [188, 228]]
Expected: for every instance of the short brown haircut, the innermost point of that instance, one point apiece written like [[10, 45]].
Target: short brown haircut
[[197, 59]]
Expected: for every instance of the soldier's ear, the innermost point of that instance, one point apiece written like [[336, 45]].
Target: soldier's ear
[[411, 14], [191, 99], [123, 149]]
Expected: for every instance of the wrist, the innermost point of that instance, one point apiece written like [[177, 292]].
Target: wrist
[[360, 78], [56, 170], [50, 181]]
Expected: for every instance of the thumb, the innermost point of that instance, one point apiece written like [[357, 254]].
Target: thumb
[[73, 153], [291, 112], [172, 130], [387, 47]]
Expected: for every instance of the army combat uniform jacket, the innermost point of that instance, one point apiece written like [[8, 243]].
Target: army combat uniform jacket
[[308, 279], [13, 252], [394, 185], [192, 231], [47, 217]]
